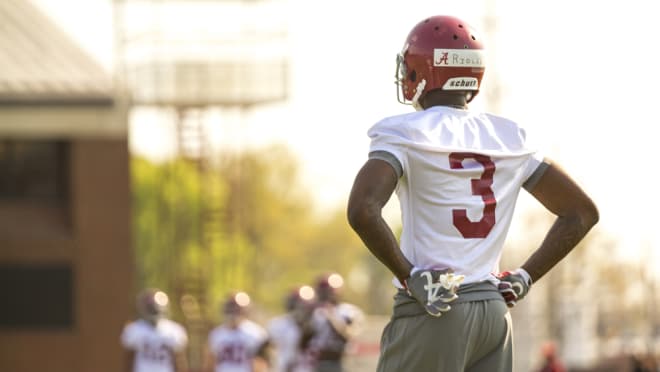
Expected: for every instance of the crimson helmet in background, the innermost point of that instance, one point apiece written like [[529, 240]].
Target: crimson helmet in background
[[299, 296], [549, 350], [327, 287], [441, 52], [236, 304], [152, 304]]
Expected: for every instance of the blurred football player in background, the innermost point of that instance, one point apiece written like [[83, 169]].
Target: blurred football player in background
[[238, 344], [153, 342], [335, 324], [291, 332], [457, 174], [551, 362]]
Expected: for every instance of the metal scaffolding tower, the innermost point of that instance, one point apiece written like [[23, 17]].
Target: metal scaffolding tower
[[187, 57]]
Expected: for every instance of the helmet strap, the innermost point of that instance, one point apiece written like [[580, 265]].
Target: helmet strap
[[418, 92]]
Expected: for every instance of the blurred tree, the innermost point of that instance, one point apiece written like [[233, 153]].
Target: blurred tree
[[165, 222], [267, 219], [245, 224]]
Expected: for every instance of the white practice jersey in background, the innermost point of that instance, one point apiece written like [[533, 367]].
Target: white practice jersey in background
[[326, 339], [285, 335], [154, 346], [234, 348], [462, 172]]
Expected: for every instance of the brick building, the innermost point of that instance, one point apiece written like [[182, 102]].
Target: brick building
[[66, 268]]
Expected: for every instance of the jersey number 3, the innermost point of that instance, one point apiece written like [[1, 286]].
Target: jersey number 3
[[480, 187]]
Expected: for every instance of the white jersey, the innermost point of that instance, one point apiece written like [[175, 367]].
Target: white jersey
[[234, 349], [461, 175], [154, 346], [285, 335], [327, 343]]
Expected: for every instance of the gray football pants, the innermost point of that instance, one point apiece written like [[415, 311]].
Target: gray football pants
[[474, 336], [329, 366]]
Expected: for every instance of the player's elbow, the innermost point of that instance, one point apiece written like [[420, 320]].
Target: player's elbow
[[590, 214], [362, 214], [585, 214]]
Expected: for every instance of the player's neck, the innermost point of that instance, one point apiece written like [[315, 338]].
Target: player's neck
[[444, 98]]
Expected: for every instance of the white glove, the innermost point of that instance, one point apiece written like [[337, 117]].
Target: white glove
[[434, 289], [514, 285]]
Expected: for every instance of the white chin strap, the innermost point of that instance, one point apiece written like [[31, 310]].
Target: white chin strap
[[418, 92]]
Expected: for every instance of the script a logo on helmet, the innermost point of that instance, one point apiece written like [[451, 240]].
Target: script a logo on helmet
[[443, 60]]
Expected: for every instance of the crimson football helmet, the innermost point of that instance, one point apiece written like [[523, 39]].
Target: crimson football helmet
[[152, 304], [441, 52], [300, 296], [327, 287], [236, 304]]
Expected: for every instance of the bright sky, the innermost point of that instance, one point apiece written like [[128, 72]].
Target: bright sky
[[579, 75]]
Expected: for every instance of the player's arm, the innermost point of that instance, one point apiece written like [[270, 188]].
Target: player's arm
[[576, 215], [337, 322], [209, 360], [261, 361], [372, 188]]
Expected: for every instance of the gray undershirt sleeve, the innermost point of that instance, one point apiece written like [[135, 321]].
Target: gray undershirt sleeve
[[536, 176], [390, 159]]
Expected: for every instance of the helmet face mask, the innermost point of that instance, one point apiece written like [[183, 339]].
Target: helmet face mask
[[404, 86], [441, 52], [399, 76]]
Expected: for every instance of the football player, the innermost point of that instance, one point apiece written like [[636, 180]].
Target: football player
[[291, 332], [154, 343], [551, 360], [457, 174], [335, 324], [239, 344]]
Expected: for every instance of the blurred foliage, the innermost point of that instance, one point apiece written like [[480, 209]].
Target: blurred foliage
[[166, 207], [242, 222]]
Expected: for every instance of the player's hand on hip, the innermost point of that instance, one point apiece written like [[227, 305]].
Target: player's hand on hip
[[434, 289], [514, 285]]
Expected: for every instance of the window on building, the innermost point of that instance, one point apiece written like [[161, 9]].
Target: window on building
[[34, 170], [36, 296]]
